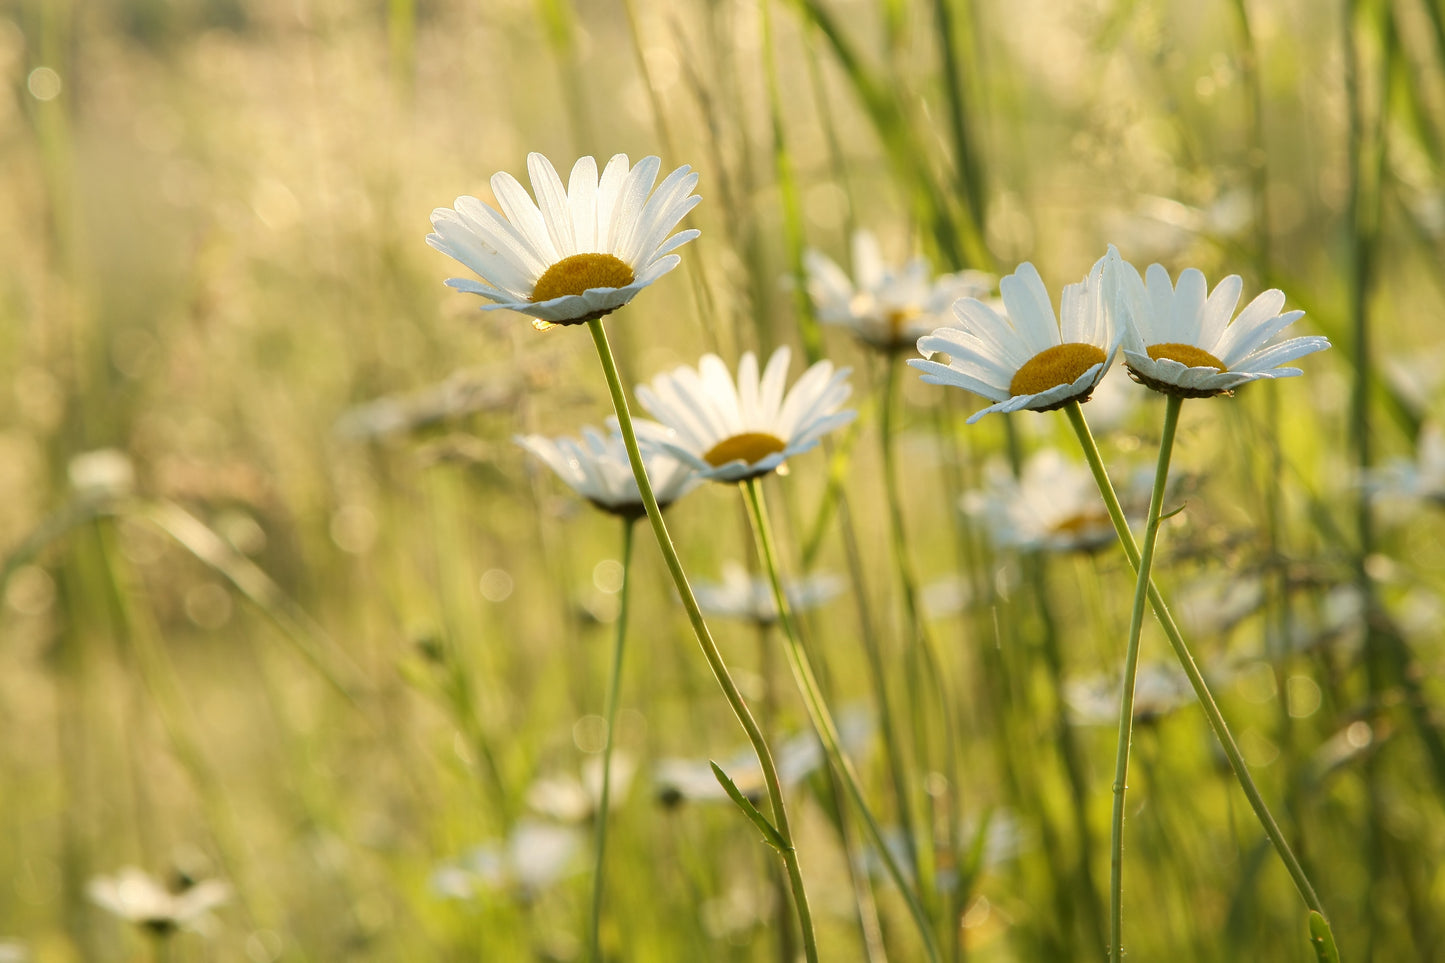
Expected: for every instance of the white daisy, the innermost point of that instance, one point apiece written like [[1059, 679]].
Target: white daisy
[[1422, 478], [535, 856], [1053, 505], [1159, 689], [886, 308], [596, 467], [570, 799], [135, 896], [1179, 342], [732, 432], [1028, 359], [740, 596], [585, 253]]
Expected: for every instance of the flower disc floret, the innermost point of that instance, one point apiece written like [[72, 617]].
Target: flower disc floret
[[581, 273], [1062, 364], [749, 447]]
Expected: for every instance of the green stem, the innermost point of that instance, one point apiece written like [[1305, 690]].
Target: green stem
[[1186, 660], [823, 719], [1131, 666], [614, 685], [705, 640]]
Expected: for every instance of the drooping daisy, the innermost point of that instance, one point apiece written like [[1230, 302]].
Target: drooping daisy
[[1180, 342], [576, 254], [735, 431], [135, 896], [597, 468], [1028, 359], [886, 308], [740, 596]]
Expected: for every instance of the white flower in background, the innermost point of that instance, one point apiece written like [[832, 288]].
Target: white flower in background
[[1028, 359], [596, 467], [741, 596], [884, 307], [734, 431], [1004, 838], [692, 780], [13, 951], [1422, 477], [533, 858], [137, 897], [1159, 689], [1179, 342], [101, 474], [576, 254], [1216, 602], [1053, 505], [569, 799]]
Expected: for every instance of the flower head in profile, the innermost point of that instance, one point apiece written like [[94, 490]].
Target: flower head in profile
[[1029, 359], [137, 897], [741, 596], [884, 307], [576, 253], [735, 430], [1180, 342], [597, 468]]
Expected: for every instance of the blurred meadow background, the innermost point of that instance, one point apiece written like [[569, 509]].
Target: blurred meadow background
[[285, 606]]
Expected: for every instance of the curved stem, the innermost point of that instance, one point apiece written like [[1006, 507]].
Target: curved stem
[[1186, 660], [614, 685], [1131, 666], [710, 651], [822, 719]]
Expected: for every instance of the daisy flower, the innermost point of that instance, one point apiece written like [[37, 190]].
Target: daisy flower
[[1052, 506], [740, 596], [576, 254], [1422, 478], [732, 431], [1028, 359], [1180, 342], [534, 857], [1159, 689], [885, 308], [135, 896], [596, 467]]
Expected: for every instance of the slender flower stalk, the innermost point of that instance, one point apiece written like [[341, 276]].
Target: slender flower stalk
[[614, 684], [787, 851], [1186, 661], [1131, 666], [822, 719]]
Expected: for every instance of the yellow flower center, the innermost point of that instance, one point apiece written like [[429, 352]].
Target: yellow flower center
[[1079, 523], [581, 272], [750, 446], [1185, 354], [898, 317], [1060, 365]]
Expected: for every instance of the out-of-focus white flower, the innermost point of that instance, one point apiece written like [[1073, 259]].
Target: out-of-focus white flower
[[137, 897], [886, 308], [102, 474], [533, 858], [1004, 839], [597, 468], [740, 596], [1215, 603], [13, 951], [1422, 477], [692, 780], [732, 431], [570, 799], [1159, 689], [1054, 505]]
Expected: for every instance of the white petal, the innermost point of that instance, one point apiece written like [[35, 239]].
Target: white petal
[[552, 200], [582, 203]]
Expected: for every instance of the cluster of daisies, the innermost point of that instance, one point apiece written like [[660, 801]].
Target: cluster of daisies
[[580, 252]]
